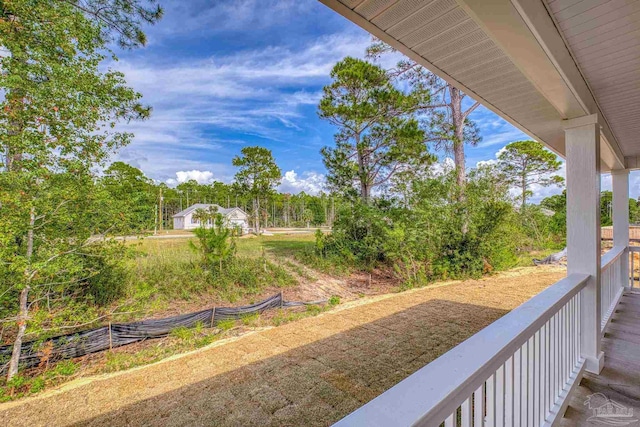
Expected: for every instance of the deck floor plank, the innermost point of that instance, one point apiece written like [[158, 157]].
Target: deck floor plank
[[619, 381]]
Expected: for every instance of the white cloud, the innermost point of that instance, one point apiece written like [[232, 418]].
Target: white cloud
[[446, 165], [310, 182], [483, 163], [202, 177], [502, 138], [248, 74], [247, 93], [193, 16]]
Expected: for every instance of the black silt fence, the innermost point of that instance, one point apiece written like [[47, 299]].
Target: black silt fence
[[118, 334]]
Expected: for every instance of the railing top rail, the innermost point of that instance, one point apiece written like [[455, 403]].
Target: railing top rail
[[634, 248], [432, 393], [611, 256]]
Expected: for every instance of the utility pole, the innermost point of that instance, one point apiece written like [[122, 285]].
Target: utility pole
[[155, 220], [160, 209]]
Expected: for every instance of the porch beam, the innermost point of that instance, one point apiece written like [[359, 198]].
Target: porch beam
[[620, 186], [582, 142]]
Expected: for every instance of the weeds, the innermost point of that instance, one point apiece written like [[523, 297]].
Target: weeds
[[226, 325], [285, 316], [252, 319], [180, 340], [21, 385]]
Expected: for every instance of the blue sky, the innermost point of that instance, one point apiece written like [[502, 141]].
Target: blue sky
[[222, 75]]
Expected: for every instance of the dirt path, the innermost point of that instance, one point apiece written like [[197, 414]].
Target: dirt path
[[310, 372]]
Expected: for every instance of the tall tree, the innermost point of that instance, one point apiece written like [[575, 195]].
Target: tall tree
[[132, 196], [448, 123], [378, 134], [527, 163], [259, 175], [58, 114]]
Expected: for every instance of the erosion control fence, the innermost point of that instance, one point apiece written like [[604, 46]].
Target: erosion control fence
[[118, 334]]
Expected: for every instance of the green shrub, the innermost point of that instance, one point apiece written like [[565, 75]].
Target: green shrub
[[216, 245], [319, 242], [435, 234], [227, 324], [250, 319], [106, 270], [65, 369], [17, 381], [37, 385]]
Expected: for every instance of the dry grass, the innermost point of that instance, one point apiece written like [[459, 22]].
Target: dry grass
[[310, 372]]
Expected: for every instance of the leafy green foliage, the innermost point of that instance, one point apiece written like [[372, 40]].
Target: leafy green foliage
[[58, 112], [258, 175], [130, 198], [558, 204], [216, 244], [378, 134], [226, 325], [307, 216], [108, 271], [425, 242], [527, 163], [21, 385]]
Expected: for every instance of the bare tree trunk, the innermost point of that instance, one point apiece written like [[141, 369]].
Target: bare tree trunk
[[458, 135], [24, 308], [458, 148], [524, 193], [22, 327], [364, 185]]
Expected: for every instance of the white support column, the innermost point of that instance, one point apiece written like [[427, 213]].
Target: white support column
[[582, 143], [620, 184]]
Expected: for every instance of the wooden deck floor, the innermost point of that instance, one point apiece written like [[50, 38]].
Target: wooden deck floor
[[619, 381]]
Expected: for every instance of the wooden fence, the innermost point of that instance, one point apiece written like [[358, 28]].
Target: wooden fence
[[634, 233]]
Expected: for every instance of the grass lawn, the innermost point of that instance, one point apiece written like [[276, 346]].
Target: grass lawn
[[250, 246]]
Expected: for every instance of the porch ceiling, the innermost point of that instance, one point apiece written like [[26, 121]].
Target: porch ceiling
[[604, 39], [512, 57]]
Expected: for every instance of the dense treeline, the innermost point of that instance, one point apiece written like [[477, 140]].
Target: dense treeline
[[58, 115], [134, 202], [423, 222], [408, 215]]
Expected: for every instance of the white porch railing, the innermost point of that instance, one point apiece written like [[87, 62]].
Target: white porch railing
[[634, 282], [518, 371], [612, 284]]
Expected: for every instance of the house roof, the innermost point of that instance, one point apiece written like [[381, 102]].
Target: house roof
[[220, 209]]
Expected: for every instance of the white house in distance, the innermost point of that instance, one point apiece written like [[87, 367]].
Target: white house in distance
[[234, 217]]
